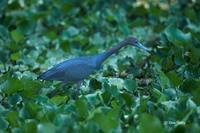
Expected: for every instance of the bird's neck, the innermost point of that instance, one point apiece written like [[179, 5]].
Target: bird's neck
[[111, 51]]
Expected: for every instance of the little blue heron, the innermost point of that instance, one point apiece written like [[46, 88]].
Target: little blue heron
[[77, 69]]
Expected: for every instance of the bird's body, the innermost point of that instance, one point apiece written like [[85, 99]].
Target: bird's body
[[72, 70], [77, 69]]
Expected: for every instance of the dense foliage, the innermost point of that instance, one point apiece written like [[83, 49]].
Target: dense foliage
[[134, 90]]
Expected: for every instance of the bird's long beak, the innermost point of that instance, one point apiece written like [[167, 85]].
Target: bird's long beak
[[139, 45]]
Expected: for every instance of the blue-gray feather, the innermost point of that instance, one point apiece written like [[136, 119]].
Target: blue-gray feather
[[73, 70]]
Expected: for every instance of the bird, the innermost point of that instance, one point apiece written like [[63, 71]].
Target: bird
[[75, 70]]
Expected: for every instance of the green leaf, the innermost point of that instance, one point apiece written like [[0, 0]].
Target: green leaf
[[17, 36], [69, 32], [150, 123], [30, 126], [15, 56], [31, 88], [192, 86], [95, 84], [170, 93], [191, 105], [52, 35], [174, 78], [26, 87], [3, 123], [31, 110], [46, 128], [107, 120], [158, 95], [178, 58], [11, 86], [124, 29], [97, 39], [194, 55], [93, 99], [111, 89], [82, 108], [59, 100], [177, 37], [106, 97], [163, 79], [128, 99], [14, 99], [72, 31], [130, 84], [12, 118]]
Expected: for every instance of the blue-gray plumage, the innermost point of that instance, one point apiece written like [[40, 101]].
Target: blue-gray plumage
[[77, 69]]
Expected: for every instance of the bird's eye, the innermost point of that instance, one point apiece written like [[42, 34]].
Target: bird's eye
[[135, 41]]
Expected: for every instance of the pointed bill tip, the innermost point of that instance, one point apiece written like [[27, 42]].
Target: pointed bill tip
[[139, 45]]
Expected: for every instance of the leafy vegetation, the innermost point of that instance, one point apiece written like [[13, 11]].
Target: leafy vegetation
[[135, 91]]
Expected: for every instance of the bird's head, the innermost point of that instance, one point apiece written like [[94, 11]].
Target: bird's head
[[134, 41]]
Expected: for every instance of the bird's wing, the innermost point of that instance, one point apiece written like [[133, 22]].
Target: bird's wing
[[69, 70]]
